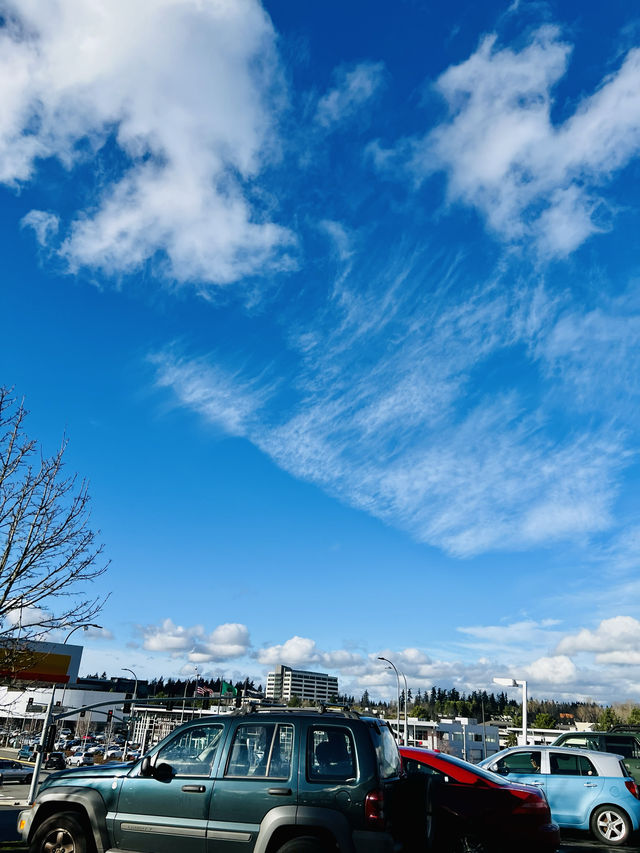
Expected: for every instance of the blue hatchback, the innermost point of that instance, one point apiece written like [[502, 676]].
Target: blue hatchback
[[585, 789]]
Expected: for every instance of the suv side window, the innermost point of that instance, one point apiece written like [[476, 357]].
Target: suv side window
[[261, 750], [331, 754], [192, 752], [627, 747]]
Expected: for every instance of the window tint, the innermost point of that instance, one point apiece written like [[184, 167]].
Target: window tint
[[261, 750], [330, 754], [412, 766], [586, 767], [565, 764], [192, 752], [520, 762], [627, 747], [389, 761]]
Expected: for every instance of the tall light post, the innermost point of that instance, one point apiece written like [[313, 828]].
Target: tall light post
[[135, 679], [514, 682], [135, 696], [393, 666], [47, 719]]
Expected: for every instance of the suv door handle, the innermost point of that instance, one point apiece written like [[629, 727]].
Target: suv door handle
[[194, 789], [590, 785], [282, 792]]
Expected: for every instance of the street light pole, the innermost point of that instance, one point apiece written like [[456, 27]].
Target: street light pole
[[135, 696], [514, 682], [406, 699], [393, 666], [47, 721]]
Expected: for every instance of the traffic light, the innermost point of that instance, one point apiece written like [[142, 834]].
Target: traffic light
[[83, 713], [29, 702], [50, 738], [109, 715], [126, 707]]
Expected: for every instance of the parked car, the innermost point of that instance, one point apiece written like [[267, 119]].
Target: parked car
[[113, 752], [586, 789], [26, 753], [80, 759], [13, 771], [622, 743], [55, 761], [285, 781], [475, 809]]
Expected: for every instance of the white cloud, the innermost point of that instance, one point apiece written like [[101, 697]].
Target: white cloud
[[222, 398], [554, 670], [302, 652], [168, 637], [45, 225], [187, 93], [619, 635], [532, 179], [227, 641], [399, 435], [354, 87], [527, 632]]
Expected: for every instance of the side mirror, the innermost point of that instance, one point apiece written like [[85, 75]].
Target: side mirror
[[163, 772], [145, 767]]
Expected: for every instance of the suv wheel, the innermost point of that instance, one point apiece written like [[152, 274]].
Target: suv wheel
[[305, 844], [611, 825], [60, 833]]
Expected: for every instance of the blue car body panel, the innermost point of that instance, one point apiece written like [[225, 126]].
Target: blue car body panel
[[573, 798]]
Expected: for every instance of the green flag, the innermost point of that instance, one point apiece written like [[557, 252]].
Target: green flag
[[228, 689]]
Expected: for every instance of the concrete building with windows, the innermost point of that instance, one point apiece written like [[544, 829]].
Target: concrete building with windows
[[286, 682]]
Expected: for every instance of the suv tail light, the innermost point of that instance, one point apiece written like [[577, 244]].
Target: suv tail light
[[374, 809], [632, 788]]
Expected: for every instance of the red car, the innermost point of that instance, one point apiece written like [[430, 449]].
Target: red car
[[477, 811]]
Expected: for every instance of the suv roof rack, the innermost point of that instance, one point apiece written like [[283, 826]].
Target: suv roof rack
[[338, 710], [631, 727]]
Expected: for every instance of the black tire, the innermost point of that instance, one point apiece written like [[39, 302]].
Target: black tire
[[60, 831], [305, 844], [471, 844], [610, 825]]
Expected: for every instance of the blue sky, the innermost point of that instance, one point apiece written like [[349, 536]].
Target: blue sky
[[339, 311]]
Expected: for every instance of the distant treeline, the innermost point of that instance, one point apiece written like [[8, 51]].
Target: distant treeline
[[438, 702]]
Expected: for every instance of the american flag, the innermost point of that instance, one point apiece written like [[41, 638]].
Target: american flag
[[201, 690]]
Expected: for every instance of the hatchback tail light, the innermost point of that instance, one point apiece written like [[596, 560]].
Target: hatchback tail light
[[632, 788], [374, 809]]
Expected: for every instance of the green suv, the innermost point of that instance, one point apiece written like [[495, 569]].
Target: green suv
[[267, 781], [624, 743]]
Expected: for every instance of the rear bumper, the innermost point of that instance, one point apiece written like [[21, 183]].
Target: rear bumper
[[374, 842]]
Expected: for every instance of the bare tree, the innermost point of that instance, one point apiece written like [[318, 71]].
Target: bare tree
[[48, 553]]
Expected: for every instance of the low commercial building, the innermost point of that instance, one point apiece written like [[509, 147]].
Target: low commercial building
[[463, 737]]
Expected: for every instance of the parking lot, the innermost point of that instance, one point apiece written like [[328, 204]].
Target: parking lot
[[13, 797]]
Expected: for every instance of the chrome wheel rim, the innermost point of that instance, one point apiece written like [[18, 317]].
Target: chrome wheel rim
[[58, 841], [611, 825]]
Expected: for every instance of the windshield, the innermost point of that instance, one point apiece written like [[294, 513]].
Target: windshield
[[489, 775]]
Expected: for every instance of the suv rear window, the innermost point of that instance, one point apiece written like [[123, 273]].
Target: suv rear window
[[389, 762]]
